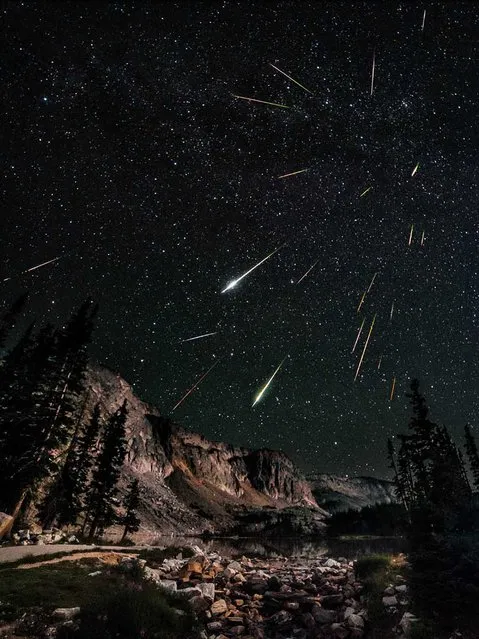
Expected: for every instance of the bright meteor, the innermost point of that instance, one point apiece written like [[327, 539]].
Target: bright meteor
[[263, 390], [34, 268], [190, 339], [290, 78], [366, 191], [195, 385], [365, 347], [358, 335], [233, 283], [414, 171], [280, 177], [308, 271], [275, 104]]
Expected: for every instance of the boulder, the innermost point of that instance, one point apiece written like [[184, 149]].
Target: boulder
[[168, 584], [219, 607], [207, 590], [355, 621], [199, 603], [389, 602], [65, 614]]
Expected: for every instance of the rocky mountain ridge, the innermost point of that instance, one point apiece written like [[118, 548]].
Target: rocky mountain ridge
[[191, 485]]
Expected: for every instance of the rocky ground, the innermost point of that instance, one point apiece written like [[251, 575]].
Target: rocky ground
[[273, 599]]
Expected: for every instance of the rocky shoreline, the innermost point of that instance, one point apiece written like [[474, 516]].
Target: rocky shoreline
[[271, 599]]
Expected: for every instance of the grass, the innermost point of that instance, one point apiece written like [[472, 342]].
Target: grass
[[112, 604]]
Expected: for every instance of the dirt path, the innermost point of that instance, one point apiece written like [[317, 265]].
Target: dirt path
[[107, 557], [15, 553]]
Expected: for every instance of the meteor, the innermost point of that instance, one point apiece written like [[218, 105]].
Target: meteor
[[194, 386], [308, 271], [410, 234], [361, 302], [379, 362], [366, 191], [275, 104], [422, 239], [260, 393], [372, 282], [233, 283], [280, 177], [391, 395], [365, 347], [290, 78], [358, 335], [423, 20], [372, 72], [391, 313], [34, 268], [414, 171], [190, 339]]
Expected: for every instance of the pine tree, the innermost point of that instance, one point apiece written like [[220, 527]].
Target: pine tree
[[130, 519], [8, 319], [400, 487], [472, 454], [103, 488]]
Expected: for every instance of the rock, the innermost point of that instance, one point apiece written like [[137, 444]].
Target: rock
[[402, 589], [291, 605], [168, 584], [388, 602], [236, 631], [214, 626], [234, 565], [389, 591], [219, 607], [65, 614], [207, 590], [332, 601], [332, 563], [152, 574], [95, 573], [348, 612], [274, 583], [355, 621], [407, 621], [338, 630], [322, 616], [72, 540], [199, 603], [190, 592], [308, 620]]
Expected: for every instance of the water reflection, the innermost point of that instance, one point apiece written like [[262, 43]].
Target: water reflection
[[289, 547]]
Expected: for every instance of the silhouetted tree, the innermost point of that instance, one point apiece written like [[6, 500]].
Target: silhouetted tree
[[9, 318], [100, 512], [472, 454], [130, 519]]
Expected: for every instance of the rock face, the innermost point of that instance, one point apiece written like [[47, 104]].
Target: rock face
[[342, 493], [187, 482]]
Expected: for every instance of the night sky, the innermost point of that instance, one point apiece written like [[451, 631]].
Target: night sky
[[126, 154]]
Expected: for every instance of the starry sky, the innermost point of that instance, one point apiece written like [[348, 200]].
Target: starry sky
[[126, 154]]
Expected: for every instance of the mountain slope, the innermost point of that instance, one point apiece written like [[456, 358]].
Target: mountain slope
[[342, 493]]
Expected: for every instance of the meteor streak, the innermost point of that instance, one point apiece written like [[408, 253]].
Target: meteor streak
[[280, 177], [34, 268], [372, 72], [410, 234], [308, 271], [366, 191], [392, 311], [358, 335], [422, 238], [372, 282], [290, 78], [414, 171], [275, 104], [194, 386], [190, 339], [423, 20], [262, 391], [365, 347], [361, 302], [379, 362], [391, 395], [233, 283]]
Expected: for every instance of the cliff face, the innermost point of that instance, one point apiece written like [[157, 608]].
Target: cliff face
[[342, 493], [189, 484]]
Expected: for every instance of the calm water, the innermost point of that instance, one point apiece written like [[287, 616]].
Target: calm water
[[289, 547]]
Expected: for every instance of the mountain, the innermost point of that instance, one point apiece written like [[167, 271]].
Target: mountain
[[342, 493], [189, 484]]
